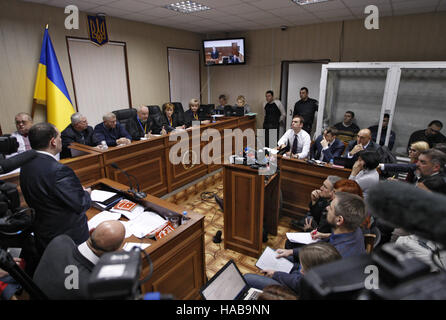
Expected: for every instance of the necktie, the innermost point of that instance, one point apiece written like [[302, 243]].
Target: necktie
[[294, 148], [27, 144]]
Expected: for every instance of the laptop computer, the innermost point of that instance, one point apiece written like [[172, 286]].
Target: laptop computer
[[228, 284]]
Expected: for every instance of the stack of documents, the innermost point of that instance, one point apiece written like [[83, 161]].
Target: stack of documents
[[145, 223], [268, 261]]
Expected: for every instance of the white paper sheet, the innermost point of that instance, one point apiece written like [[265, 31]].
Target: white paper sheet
[[268, 261], [300, 237], [101, 217], [100, 195], [130, 245]]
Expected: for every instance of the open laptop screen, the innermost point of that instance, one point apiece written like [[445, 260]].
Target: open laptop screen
[[227, 284]]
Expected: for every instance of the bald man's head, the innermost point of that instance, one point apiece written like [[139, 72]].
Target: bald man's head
[[364, 137], [107, 237]]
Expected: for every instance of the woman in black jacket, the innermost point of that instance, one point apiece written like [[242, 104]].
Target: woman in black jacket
[[169, 119]]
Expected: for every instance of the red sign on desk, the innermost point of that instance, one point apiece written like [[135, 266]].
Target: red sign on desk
[[125, 205], [164, 231]]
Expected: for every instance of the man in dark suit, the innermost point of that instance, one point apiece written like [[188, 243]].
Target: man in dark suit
[[51, 274], [363, 142], [327, 146], [111, 131], [78, 131], [53, 190], [142, 125]]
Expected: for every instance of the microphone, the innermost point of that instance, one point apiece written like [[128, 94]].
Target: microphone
[[217, 237], [138, 194], [415, 210], [10, 164]]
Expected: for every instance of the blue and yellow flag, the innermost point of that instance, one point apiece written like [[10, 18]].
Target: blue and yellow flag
[[50, 88]]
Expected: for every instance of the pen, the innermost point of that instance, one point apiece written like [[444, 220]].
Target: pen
[[313, 233]]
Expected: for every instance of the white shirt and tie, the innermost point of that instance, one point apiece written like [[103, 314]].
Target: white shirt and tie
[[303, 142]]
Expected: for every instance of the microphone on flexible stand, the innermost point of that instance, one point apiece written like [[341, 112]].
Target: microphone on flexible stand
[[138, 194]]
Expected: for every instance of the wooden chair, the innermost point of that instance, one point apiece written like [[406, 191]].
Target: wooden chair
[[372, 239]]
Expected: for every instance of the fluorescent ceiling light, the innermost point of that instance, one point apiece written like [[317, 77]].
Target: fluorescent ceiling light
[[304, 2], [187, 7]]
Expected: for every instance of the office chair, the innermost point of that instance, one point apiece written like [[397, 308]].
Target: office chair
[[124, 115], [179, 111]]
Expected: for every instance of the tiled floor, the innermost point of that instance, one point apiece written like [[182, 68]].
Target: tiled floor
[[216, 255]]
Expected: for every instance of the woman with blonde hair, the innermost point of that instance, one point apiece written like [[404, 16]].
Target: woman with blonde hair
[[192, 114], [414, 151], [241, 103]]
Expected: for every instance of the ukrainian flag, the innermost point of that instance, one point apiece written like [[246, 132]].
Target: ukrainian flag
[[50, 88]]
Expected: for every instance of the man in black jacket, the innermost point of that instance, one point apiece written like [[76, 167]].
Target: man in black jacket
[[78, 131], [53, 190], [65, 268], [143, 125], [306, 107]]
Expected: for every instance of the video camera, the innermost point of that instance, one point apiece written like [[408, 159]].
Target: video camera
[[390, 272], [116, 276]]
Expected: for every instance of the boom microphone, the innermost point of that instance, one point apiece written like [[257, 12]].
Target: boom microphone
[[7, 165], [415, 210], [138, 194]]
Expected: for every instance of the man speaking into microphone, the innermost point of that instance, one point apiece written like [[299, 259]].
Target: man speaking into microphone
[[53, 190]]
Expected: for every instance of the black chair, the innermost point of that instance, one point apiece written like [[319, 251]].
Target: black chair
[[124, 116], [179, 111]]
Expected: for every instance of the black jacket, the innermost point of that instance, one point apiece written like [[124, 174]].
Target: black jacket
[[189, 117], [137, 130], [372, 146], [50, 275], [57, 196], [70, 135], [175, 122]]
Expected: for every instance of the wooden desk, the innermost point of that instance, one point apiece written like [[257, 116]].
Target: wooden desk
[[249, 204], [178, 259], [148, 160], [298, 180]]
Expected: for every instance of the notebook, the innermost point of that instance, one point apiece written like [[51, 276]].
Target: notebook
[[228, 284]]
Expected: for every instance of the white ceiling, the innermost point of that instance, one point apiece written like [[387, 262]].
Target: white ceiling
[[242, 15]]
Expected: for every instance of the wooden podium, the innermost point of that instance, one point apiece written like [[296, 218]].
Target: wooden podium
[[251, 203]]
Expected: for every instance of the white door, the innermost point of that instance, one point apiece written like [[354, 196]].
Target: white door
[[302, 74], [184, 75]]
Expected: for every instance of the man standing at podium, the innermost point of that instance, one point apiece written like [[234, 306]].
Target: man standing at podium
[[53, 190], [298, 141]]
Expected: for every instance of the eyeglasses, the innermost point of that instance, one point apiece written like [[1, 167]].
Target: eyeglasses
[[22, 122]]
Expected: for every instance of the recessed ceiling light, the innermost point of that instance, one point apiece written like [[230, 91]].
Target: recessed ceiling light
[[187, 7], [304, 2]]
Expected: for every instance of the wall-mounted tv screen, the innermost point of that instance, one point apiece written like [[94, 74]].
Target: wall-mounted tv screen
[[224, 52]]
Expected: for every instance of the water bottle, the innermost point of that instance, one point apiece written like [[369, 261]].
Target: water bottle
[[185, 218], [331, 162], [104, 145]]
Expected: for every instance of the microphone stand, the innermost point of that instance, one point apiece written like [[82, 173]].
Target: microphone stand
[[137, 194], [7, 263]]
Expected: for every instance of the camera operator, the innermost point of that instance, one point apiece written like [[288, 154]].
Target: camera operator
[[61, 252]]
